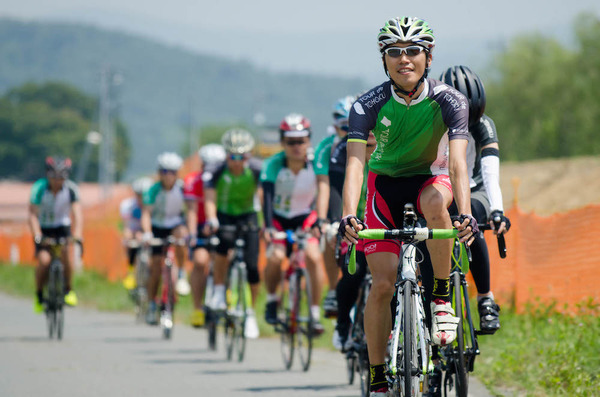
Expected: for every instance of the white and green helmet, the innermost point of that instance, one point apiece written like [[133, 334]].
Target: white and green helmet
[[406, 29]]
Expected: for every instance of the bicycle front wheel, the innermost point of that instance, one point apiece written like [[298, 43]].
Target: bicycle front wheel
[[287, 319], [410, 372], [239, 304], [458, 357], [305, 328]]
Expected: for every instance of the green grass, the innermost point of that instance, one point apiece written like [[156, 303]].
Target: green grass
[[543, 353]]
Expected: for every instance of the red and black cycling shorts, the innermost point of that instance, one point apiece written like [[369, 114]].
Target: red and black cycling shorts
[[303, 222], [386, 197]]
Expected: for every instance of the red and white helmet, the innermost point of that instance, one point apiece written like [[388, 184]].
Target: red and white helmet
[[294, 125]]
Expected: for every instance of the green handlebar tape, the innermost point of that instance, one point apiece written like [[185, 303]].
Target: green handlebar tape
[[443, 233], [372, 234], [352, 262]]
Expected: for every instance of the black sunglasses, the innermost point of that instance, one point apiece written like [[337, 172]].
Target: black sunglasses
[[164, 171]]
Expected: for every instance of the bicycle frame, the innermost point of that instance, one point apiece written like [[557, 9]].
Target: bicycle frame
[[54, 305], [409, 324]]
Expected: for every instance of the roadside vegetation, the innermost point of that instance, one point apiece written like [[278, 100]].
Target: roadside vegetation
[[543, 353]]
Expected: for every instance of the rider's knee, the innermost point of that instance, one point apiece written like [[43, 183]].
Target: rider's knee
[[383, 289]]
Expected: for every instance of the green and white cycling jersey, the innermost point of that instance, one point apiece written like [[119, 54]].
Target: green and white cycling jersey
[[167, 205], [54, 210], [235, 193], [323, 154], [294, 194], [411, 140]]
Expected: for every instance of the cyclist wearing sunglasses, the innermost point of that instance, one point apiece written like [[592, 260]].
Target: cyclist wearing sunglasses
[[330, 165], [290, 188], [232, 190], [421, 127], [194, 191], [163, 216], [55, 212], [483, 156]]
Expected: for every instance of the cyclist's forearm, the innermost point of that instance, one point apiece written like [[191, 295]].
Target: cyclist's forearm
[[322, 196], [146, 220], [192, 217], [490, 173], [34, 222], [77, 220], [352, 185], [210, 203], [268, 194], [460, 187]]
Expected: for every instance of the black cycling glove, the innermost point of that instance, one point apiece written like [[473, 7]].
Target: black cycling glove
[[498, 217], [472, 222], [346, 221]]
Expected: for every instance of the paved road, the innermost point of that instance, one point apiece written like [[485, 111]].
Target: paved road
[[107, 355]]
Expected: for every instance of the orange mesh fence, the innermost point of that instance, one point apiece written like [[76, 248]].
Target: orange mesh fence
[[550, 259]]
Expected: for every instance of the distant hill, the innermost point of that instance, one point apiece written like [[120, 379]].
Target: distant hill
[[161, 84]]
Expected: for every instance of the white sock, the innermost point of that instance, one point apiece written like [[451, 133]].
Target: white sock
[[272, 298], [219, 289], [315, 312], [489, 295]]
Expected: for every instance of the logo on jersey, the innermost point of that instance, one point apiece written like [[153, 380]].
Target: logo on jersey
[[372, 98], [386, 122], [455, 103], [369, 249], [358, 108]]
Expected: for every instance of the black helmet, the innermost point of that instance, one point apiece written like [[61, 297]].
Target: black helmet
[[469, 84], [58, 166]]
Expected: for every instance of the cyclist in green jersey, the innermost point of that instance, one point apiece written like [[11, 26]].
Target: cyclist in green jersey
[[231, 192], [290, 189], [421, 126], [55, 212]]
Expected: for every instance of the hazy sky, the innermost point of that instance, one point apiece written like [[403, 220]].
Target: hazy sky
[[316, 36]]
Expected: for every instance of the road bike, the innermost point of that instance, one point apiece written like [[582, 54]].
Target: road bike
[[409, 348], [167, 299], [54, 300], [294, 320], [459, 357], [238, 295]]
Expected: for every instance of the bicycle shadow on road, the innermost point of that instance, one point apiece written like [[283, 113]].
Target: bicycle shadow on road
[[131, 339], [25, 339], [244, 371], [307, 388]]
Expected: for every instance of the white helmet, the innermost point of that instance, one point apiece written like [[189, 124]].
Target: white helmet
[[169, 161], [237, 141], [142, 184], [212, 153]]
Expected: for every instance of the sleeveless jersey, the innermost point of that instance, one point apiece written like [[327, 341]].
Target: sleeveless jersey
[[235, 194], [54, 210], [411, 140], [295, 194], [167, 205]]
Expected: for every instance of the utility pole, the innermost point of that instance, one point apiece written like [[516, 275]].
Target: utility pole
[[107, 165]]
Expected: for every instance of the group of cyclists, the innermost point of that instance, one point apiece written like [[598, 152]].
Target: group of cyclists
[[412, 139]]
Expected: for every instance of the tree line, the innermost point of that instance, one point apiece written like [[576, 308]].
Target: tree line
[[51, 119], [544, 95]]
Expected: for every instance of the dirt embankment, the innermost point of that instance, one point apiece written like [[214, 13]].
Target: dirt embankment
[[550, 186]]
